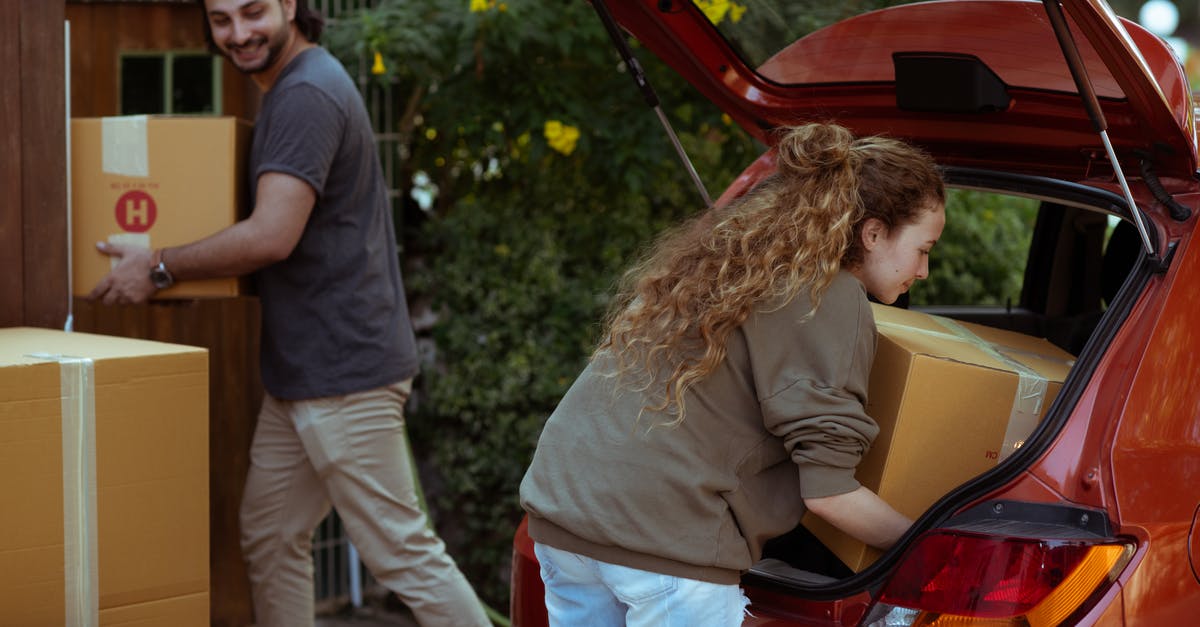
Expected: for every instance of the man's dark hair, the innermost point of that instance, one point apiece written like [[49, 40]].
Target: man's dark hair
[[308, 20]]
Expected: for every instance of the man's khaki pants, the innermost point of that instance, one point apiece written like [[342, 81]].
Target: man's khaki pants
[[351, 451]]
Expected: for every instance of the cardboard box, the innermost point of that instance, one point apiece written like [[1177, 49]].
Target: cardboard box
[[155, 181], [952, 399], [104, 477]]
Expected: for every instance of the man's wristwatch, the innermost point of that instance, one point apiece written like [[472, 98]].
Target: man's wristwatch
[[159, 275]]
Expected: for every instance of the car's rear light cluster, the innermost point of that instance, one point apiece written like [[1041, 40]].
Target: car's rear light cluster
[[957, 579]]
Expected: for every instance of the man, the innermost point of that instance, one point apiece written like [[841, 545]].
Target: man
[[338, 352]]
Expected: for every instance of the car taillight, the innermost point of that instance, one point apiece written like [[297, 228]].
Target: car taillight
[[960, 579]]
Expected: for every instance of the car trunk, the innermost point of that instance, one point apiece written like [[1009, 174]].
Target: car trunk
[[1008, 123]]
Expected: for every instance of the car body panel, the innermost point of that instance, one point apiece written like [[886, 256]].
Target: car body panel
[[1157, 435]]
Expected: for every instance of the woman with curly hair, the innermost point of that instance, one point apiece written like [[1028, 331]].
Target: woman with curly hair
[[727, 396]]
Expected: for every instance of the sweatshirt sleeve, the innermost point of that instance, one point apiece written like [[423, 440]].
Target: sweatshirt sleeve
[[812, 380]]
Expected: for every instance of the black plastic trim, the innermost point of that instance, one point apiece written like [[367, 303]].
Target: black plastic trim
[[1033, 520], [946, 82]]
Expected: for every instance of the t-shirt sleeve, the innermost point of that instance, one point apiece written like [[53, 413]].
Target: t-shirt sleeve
[[302, 139], [814, 390]]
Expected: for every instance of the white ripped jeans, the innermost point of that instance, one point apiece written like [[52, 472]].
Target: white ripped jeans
[[585, 592]]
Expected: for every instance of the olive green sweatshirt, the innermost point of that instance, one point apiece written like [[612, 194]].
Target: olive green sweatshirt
[[781, 419]]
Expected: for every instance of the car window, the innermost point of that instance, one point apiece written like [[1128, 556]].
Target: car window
[[1038, 266], [981, 257]]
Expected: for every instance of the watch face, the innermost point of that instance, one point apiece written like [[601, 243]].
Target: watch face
[[160, 277]]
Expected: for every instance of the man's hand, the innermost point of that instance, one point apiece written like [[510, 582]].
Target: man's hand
[[129, 282]]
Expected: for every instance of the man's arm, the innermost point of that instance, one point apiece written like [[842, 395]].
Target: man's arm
[[282, 206], [862, 514]]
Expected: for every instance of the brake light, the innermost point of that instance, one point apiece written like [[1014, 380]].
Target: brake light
[[960, 579]]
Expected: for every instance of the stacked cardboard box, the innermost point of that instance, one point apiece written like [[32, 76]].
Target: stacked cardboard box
[[104, 477], [952, 399], [155, 181]]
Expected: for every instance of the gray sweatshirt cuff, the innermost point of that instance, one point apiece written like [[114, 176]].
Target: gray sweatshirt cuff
[[818, 481]]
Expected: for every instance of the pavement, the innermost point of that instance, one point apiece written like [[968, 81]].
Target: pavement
[[366, 618], [382, 611]]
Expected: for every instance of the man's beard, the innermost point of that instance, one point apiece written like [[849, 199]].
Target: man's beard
[[274, 50]]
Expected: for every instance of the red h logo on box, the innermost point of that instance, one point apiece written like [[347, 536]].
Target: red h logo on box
[[136, 211]]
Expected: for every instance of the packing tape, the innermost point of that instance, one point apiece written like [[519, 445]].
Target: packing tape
[[1031, 391], [125, 147], [81, 570]]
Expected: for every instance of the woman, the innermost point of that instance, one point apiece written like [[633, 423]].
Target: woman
[[727, 396]]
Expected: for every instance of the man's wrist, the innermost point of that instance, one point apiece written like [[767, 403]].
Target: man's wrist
[[160, 276]]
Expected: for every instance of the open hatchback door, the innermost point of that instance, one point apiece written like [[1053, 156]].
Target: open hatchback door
[[1083, 509], [973, 82]]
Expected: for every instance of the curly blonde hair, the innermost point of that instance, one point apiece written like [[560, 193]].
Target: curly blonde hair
[[667, 326]]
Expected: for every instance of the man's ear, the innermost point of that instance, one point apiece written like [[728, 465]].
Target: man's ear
[[289, 9], [873, 232]]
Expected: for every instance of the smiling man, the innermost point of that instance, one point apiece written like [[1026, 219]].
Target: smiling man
[[338, 354]]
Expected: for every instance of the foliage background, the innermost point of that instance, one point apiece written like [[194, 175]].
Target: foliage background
[[514, 236]]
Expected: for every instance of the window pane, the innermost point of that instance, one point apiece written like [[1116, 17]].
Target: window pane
[[142, 84], [192, 81], [980, 259]]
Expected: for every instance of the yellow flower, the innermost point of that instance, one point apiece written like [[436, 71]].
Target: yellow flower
[[736, 11], [502, 250], [503, 7], [479, 6], [561, 137], [431, 133], [716, 10], [523, 139], [726, 119], [378, 68], [440, 162]]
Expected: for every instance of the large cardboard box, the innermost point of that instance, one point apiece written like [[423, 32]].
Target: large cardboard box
[[952, 399], [104, 481], [155, 181]]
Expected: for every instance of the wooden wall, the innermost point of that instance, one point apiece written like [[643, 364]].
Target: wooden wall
[[228, 328], [33, 200], [101, 32]]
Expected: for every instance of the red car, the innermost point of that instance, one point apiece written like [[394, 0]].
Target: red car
[[1086, 120]]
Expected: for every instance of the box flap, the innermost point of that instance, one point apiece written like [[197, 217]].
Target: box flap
[[987, 347]]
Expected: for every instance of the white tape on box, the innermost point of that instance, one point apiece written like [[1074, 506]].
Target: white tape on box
[[81, 569], [125, 147]]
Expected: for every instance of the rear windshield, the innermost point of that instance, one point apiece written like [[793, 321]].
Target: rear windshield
[[759, 29]]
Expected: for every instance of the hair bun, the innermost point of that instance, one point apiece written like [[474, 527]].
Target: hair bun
[[809, 148]]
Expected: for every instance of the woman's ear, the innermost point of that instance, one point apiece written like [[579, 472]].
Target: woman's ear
[[873, 232]]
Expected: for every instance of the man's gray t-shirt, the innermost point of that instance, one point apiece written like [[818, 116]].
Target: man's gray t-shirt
[[334, 318]]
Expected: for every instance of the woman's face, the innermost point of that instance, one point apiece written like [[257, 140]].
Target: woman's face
[[896, 259]]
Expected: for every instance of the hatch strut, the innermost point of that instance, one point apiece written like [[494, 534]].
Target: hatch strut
[[1084, 84], [639, 77]]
